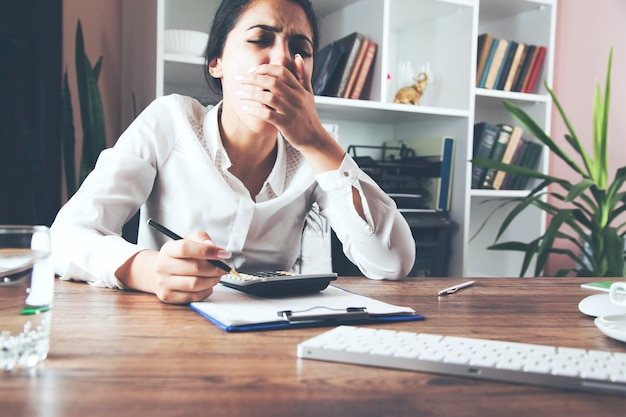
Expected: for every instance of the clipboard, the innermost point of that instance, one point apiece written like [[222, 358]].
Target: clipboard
[[235, 311]]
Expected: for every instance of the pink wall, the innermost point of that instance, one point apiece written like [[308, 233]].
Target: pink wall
[[101, 22], [585, 33]]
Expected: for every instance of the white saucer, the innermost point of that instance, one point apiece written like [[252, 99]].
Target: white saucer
[[598, 305], [613, 326]]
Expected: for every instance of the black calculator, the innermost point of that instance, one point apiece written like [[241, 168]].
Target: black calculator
[[277, 283]]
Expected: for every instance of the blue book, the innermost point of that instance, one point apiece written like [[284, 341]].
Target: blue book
[[506, 65], [447, 167], [485, 136], [325, 65], [483, 78]]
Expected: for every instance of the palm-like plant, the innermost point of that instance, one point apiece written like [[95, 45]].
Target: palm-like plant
[[91, 113], [589, 210]]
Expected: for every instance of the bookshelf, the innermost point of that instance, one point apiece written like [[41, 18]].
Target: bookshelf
[[440, 33], [531, 22]]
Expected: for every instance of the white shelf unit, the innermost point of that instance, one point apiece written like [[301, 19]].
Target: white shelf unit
[[531, 22], [441, 33]]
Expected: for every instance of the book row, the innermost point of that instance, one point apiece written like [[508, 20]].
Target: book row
[[508, 65], [505, 143], [343, 67]]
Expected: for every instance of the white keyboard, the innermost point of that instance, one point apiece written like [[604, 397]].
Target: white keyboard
[[560, 367]]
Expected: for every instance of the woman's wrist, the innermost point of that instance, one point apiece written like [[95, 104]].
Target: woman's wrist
[[137, 272], [323, 154]]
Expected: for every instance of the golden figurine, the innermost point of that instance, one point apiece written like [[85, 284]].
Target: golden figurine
[[412, 94]]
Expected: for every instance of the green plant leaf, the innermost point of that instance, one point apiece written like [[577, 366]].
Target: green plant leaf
[[533, 128], [529, 250], [549, 236], [600, 131], [572, 138], [575, 143], [580, 269], [91, 111], [613, 191], [619, 204], [514, 169], [69, 142], [577, 190], [582, 213], [97, 68], [512, 215], [614, 252]]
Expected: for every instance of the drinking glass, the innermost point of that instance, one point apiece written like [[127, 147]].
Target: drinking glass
[[26, 293]]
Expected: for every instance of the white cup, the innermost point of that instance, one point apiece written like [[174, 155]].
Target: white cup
[[617, 293]]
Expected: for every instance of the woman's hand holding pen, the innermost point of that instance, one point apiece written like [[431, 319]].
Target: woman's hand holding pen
[[181, 271], [178, 273]]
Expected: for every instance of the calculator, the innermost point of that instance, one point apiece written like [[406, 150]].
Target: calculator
[[277, 283]]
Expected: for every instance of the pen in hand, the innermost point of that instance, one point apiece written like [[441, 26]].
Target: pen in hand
[[167, 232], [455, 288]]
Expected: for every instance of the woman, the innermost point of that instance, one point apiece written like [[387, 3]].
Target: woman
[[237, 179]]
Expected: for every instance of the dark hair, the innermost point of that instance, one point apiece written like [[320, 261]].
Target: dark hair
[[226, 17]]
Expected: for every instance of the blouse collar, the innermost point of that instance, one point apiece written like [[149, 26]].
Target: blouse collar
[[213, 142]]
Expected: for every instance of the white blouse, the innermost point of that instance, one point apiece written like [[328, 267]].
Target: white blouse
[[170, 162]]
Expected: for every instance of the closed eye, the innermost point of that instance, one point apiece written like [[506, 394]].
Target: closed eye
[[264, 35]]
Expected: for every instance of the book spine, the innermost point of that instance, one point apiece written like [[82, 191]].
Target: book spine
[[519, 79], [445, 183], [485, 136], [349, 64], [364, 72], [515, 65], [514, 180], [516, 136], [498, 151], [349, 45], [484, 46], [329, 57], [506, 66], [514, 161], [530, 161], [535, 70], [354, 72], [496, 63], [530, 70], [492, 51]]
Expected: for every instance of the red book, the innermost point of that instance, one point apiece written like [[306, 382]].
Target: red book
[[358, 62], [366, 66], [529, 71], [530, 86], [524, 67]]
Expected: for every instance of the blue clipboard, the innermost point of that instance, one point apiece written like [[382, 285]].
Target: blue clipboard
[[226, 307]]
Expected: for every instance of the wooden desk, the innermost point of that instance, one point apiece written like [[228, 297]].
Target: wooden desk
[[127, 354]]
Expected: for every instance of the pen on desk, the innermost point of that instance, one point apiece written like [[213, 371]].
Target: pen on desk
[[455, 288], [167, 232]]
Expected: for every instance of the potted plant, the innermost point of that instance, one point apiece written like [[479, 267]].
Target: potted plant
[[588, 211]]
